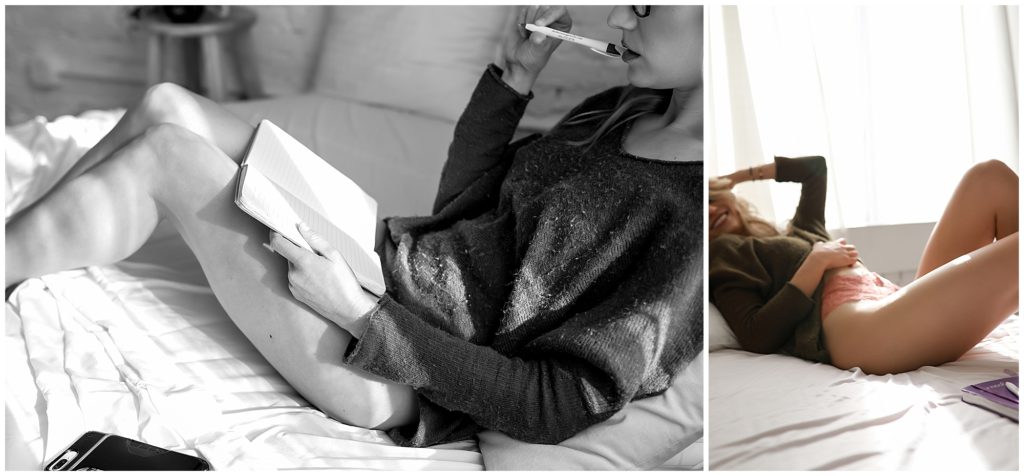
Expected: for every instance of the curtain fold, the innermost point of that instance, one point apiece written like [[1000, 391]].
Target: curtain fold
[[901, 100]]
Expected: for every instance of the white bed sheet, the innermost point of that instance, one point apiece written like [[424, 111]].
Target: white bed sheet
[[774, 412], [144, 350]]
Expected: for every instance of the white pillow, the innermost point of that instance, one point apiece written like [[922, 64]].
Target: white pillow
[[424, 59], [428, 59], [38, 153], [720, 335], [643, 435]]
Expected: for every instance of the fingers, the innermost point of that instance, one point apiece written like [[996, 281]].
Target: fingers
[[719, 184], [530, 14], [521, 20], [291, 252], [320, 245], [556, 17]]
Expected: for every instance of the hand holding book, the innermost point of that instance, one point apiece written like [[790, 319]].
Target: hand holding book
[[334, 270], [322, 280], [282, 183]]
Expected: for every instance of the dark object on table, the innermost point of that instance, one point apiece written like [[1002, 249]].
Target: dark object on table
[[184, 13]]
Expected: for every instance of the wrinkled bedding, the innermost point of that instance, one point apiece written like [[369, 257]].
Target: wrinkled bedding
[[774, 412], [145, 351]]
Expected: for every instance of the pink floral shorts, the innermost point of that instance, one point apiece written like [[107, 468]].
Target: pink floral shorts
[[844, 288]]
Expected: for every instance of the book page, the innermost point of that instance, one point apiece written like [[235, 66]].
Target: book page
[[328, 192], [282, 183], [282, 211]]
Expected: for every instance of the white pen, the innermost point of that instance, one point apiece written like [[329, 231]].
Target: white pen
[[600, 47], [1013, 389]]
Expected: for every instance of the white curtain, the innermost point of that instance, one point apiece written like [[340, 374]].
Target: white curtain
[[901, 100]]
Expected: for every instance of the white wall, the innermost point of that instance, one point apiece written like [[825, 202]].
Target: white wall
[[68, 59], [890, 250]]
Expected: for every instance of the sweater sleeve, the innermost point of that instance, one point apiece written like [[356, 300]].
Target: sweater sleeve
[[762, 322], [537, 401], [482, 135], [762, 326], [812, 174]]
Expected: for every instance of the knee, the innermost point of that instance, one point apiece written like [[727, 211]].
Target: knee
[[164, 102], [990, 175]]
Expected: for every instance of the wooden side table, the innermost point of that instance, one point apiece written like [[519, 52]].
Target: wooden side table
[[215, 35]]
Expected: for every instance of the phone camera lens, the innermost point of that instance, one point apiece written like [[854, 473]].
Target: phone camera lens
[[63, 461]]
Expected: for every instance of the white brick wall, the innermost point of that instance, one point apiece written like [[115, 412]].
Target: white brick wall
[[67, 59]]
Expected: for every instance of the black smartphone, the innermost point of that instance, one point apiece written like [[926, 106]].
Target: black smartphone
[[105, 452]]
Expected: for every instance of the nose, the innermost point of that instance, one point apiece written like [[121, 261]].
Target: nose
[[622, 18], [712, 208]]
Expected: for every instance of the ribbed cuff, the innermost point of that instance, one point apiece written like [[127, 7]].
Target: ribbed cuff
[[495, 72], [366, 352]]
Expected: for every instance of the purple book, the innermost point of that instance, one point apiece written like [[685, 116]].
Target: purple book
[[993, 395]]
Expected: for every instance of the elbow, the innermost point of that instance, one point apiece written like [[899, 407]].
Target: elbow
[[819, 165], [553, 431], [756, 344]]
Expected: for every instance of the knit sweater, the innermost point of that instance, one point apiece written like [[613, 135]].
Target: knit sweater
[[551, 286], [749, 276]]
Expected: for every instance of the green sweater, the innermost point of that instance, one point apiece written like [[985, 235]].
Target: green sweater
[[749, 276], [553, 284]]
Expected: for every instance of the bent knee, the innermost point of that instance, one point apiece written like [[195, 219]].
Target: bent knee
[[166, 102], [991, 173]]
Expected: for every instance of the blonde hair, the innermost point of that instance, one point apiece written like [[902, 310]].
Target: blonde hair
[[632, 103], [750, 223]]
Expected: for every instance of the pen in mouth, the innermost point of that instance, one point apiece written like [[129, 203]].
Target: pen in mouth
[[627, 53], [600, 47]]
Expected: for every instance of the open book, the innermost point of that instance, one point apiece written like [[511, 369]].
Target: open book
[[281, 182], [993, 395]]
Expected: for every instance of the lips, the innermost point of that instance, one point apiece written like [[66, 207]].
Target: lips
[[628, 54]]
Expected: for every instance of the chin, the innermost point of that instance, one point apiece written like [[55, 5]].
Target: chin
[[640, 78], [644, 79]]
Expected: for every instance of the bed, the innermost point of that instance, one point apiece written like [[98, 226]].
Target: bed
[[775, 412], [142, 348]]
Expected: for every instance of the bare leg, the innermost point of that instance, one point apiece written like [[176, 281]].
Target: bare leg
[[983, 208], [931, 321], [108, 212], [171, 104]]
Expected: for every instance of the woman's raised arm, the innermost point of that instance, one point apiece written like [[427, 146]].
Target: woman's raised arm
[[483, 133], [811, 172]]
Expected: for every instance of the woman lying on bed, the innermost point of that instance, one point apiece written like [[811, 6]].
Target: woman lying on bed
[[803, 293], [559, 278]]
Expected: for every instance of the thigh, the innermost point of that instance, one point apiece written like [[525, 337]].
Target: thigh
[[931, 321], [173, 104], [983, 208], [168, 103], [196, 193]]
